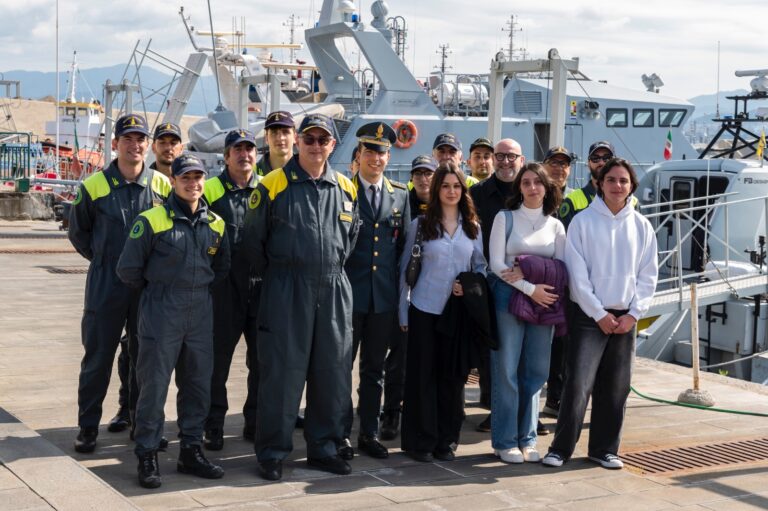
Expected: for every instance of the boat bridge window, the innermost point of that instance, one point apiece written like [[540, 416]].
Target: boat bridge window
[[642, 117], [616, 117], [671, 117]]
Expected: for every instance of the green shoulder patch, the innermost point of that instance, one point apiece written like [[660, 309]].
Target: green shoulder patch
[[255, 199], [137, 230], [565, 208], [78, 197]]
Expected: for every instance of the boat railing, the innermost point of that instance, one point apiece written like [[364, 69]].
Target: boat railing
[[698, 216]]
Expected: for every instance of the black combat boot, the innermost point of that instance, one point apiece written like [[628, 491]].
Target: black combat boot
[[192, 461], [86, 439], [390, 425], [149, 470]]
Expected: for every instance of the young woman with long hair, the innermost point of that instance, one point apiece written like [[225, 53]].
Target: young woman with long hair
[[520, 366], [451, 244]]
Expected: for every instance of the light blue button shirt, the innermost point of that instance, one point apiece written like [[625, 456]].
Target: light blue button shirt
[[442, 260]]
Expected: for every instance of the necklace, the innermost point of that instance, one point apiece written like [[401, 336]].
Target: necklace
[[536, 222]]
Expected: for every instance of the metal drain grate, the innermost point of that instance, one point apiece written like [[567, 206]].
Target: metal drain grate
[[65, 271], [36, 251], [698, 456]]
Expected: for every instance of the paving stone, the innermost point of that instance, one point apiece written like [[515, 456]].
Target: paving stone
[[633, 502], [339, 502], [17, 499], [624, 483], [159, 501]]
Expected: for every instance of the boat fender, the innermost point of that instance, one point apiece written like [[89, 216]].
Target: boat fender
[[406, 132]]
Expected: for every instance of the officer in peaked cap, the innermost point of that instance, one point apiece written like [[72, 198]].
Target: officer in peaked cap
[[422, 169], [236, 298], [372, 269], [174, 253], [100, 220], [300, 229], [281, 140], [166, 146]]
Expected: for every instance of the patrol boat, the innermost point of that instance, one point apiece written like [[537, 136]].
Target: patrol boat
[[636, 122], [710, 216]]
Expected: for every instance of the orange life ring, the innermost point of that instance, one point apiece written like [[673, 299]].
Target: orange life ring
[[406, 132]]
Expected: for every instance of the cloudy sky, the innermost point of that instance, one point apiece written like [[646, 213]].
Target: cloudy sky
[[616, 41]]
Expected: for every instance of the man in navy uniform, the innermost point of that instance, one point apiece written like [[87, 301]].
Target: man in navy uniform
[[166, 146], [101, 217], [299, 231], [373, 272], [236, 298], [174, 254]]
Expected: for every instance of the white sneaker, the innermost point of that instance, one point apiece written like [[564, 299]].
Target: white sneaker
[[552, 459], [531, 455], [608, 461], [513, 455]]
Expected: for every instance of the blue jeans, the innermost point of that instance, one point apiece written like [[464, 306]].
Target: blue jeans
[[519, 369], [600, 365]]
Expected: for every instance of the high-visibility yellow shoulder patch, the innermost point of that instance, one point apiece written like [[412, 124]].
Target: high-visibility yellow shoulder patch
[[275, 182], [216, 223], [578, 199], [161, 185], [158, 219], [346, 184], [471, 181], [97, 186], [213, 190]]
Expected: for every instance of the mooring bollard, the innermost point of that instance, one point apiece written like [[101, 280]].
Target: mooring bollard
[[695, 396]]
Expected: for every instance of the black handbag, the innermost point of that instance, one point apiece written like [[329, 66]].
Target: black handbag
[[413, 269]]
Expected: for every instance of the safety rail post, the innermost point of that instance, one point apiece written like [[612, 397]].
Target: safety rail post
[[679, 257], [765, 212], [695, 396], [727, 240]]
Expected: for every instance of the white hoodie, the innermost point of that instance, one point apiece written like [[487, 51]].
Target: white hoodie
[[612, 260]]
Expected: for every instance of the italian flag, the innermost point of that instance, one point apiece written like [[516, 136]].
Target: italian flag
[[668, 146]]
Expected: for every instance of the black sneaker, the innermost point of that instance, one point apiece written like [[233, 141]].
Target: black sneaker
[[86, 439], [552, 459], [610, 461], [541, 429], [192, 461], [149, 470]]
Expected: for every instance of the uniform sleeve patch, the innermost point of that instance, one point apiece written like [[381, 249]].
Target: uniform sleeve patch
[[78, 197], [255, 200], [565, 208], [345, 217], [137, 230]]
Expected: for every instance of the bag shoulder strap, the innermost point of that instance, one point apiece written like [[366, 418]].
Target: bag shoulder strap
[[419, 236], [507, 223]]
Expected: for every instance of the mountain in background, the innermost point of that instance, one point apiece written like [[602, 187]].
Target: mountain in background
[[90, 84]]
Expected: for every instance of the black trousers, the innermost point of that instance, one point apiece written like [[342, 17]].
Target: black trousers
[[600, 365], [433, 404], [394, 372], [233, 317], [371, 333]]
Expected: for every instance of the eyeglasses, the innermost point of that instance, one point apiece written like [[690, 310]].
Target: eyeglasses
[[558, 163], [310, 140], [422, 174], [512, 157], [596, 159]]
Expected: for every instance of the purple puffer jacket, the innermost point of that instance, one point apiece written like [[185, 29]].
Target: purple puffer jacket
[[542, 270]]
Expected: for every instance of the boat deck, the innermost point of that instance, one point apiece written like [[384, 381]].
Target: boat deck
[[42, 281]]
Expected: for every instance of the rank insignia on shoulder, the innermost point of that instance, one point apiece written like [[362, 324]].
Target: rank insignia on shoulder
[[345, 217], [137, 230], [212, 250], [255, 199], [347, 205]]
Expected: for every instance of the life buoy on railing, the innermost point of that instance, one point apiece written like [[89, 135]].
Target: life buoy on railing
[[406, 132]]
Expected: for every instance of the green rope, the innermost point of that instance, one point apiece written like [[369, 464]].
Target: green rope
[[700, 407]]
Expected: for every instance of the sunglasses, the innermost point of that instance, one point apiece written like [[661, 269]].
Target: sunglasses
[[595, 159], [321, 141], [512, 157]]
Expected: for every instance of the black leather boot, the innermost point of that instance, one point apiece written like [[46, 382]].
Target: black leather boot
[[192, 461], [86, 440], [149, 470]]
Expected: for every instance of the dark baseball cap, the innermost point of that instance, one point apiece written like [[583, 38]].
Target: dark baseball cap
[[131, 123], [167, 128], [602, 144], [448, 139], [316, 121], [187, 163], [236, 136], [424, 162], [558, 151], [481, 142], [376, 136], [279, 118]]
